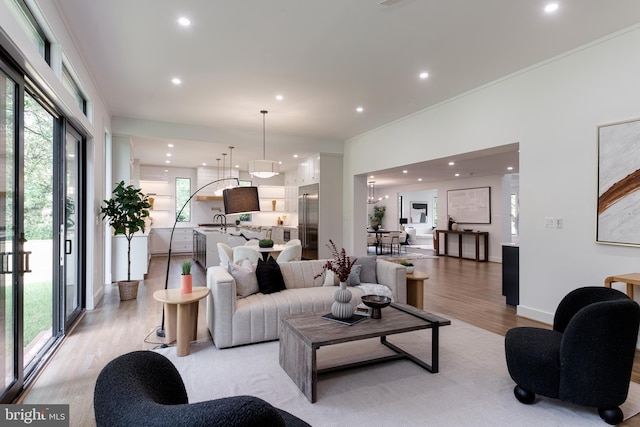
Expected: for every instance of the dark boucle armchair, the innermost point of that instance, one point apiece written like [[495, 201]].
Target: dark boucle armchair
[[586, 359], [143, 388]]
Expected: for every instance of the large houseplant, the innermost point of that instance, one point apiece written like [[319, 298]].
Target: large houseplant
[[126, 211], [377, 216]]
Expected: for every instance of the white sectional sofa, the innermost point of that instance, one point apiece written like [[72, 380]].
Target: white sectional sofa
[[234, 321]]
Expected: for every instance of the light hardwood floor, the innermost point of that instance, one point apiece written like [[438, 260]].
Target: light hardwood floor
[[462, 289]]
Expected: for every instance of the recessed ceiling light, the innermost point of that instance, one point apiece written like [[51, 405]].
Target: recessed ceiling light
[[280, 162], [359, 109], [510, 168], [457, 174], [279, 97], [423, 75], [166, 170], [551, 7], [170, 145], [237, 166], [168, 154], [295, 156], [176, 81], [420, 179], [405, 171], [167, 161], [184, 21], [371, 176], [204, 164], [452, 163]]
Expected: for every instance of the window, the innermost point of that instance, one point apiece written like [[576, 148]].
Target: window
[[514, 214], [70, 84], [183, 204], [434, 213], [28, 22]]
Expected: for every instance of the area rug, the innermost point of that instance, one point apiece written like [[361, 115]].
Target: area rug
[[473, 387]]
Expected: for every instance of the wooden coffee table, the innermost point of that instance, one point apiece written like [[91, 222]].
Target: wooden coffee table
[[302, 334]]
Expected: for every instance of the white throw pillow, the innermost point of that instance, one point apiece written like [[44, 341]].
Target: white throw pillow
[[245, 277], [330, 279]]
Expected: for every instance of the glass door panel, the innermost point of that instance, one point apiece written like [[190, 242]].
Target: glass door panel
[[39, 126], [8, 328], [71, 251]]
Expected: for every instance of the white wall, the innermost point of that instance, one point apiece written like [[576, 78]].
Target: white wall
[[552, 110]]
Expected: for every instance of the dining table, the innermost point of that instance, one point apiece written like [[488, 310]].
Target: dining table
[[266, 251]]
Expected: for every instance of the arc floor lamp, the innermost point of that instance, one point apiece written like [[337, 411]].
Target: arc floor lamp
[[236, 200]]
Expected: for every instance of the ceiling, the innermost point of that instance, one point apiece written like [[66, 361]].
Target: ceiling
[[324, 57]]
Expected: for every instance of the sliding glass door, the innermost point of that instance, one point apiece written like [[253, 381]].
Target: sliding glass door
[[40, 229], [9, 340]]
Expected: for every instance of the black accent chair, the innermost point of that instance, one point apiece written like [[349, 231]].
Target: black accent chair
[[143, 388], [586, 359]]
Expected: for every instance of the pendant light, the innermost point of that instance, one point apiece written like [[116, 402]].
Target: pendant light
[[218, 190], [263, 168], [372, 196]]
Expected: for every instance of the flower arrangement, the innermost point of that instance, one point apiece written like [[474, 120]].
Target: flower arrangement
[[340, 264]]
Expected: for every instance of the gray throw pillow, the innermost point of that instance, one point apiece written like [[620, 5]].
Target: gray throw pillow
[[368, 271], [245, 277], [354, 276]]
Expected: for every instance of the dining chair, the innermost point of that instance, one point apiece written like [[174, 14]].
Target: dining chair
[[225, 253], [290, 253], [245, 252]]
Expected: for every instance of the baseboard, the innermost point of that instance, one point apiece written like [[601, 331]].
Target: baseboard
[[533, 314]]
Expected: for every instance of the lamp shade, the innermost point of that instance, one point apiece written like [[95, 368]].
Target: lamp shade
[[263, 168], [240, 200]]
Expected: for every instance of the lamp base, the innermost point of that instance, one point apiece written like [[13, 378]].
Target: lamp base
[[160, 332]]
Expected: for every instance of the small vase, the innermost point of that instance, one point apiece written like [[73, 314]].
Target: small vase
[[342, 308], [186, 284]]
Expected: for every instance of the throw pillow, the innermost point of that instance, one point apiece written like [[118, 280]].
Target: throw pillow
[[354, 276], [368, 271], [330, 278], [245, 277], [269, 276]]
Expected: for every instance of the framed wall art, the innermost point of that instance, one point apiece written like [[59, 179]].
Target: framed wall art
[[470, 205], [618, 208]]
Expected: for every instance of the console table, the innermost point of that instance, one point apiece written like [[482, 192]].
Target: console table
[[460, 233]]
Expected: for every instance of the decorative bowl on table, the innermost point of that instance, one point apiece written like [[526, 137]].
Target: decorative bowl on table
[[376, 303]]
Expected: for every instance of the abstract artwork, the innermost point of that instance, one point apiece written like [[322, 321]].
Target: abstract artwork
[[618, 216]]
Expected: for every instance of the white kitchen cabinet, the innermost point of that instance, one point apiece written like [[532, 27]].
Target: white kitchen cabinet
[[182, 240], [309, 170], [159, 240]]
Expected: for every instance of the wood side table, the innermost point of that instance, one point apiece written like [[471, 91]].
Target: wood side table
[[415, 288], [181, 312], [630, 279]]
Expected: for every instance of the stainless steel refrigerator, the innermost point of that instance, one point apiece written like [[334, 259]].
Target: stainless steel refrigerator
[[308, 214]]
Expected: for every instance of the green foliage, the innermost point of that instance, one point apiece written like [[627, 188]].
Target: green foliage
[[378, 215], [186, 268], [406, 263], [265, 242], [126, 212]]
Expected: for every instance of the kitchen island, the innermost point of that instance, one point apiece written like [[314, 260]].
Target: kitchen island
[[206, 239]]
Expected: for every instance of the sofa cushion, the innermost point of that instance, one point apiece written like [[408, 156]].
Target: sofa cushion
[[269, 276], [245, 277], [368, 272]]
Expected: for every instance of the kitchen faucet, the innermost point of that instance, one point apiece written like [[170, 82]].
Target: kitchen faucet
[[223, 220]]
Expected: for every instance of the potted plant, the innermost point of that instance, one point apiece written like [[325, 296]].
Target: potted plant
[[126, 211], [340, 265], [265, 243], [409, 266], [186, 279], [377, 216]]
